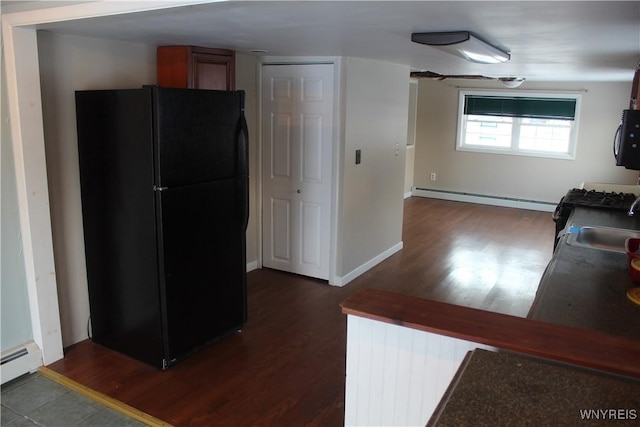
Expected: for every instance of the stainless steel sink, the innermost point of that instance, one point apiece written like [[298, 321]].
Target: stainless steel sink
[[603, 238]]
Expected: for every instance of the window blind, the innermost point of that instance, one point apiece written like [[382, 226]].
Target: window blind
[[536, 108]]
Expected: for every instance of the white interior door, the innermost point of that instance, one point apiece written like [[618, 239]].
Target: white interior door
[[297, 136]]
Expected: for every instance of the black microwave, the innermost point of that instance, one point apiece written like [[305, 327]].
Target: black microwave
[[626, 143]]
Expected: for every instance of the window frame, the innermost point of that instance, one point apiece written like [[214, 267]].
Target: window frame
[[513, 150]]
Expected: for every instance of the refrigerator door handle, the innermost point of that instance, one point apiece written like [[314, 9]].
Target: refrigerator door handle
[[242, 143], [244, 158], [242, 140]]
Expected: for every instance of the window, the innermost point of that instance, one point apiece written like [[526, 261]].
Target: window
[[518, 123]]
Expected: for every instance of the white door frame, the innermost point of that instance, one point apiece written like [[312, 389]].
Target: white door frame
[[337, 155]]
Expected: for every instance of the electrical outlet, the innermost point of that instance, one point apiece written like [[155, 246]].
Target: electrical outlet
[[433, 176]]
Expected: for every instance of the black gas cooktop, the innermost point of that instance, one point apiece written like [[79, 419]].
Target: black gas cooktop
[[598, 199]]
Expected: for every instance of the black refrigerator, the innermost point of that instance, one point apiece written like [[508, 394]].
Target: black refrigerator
[[164, 186]]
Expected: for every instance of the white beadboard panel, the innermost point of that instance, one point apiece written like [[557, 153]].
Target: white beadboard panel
[[396, 376]]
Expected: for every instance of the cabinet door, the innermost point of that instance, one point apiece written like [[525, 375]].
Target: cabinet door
[[213, 71], [196, 67]]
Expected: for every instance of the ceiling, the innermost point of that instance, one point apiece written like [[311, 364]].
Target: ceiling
[[548, 41]]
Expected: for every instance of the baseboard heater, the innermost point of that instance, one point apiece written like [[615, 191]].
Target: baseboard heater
[[20, 360], [483, 199]]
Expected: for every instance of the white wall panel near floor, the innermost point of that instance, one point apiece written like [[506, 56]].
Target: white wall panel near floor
[[20, 360], [396, 376]]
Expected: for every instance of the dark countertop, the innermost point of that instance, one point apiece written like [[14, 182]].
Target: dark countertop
[[585, 287], [503, 388]]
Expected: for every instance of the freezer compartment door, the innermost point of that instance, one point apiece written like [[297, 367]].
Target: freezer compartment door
[[204, 277], [199, 136]]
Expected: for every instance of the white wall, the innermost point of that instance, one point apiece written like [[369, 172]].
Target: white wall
[[15, 321], [70, 63], [519, 177], [375, 109], [396, 376], [27, 136], [411, 136], [247, 80], [376, 120], [409, 169]]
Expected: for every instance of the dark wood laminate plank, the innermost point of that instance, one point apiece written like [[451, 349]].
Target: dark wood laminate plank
[[557, 342], [287, 367]]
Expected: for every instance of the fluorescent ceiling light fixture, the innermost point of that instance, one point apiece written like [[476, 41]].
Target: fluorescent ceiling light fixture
[[464, 44]]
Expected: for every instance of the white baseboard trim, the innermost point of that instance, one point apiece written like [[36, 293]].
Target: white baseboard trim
[[343, 280], [485, 200], [252, 265], [20, 360], [407, 194]]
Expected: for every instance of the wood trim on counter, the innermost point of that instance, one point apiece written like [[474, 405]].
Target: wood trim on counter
[[556, 342]]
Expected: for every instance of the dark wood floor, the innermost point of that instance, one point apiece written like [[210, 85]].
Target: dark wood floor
[[287, 367]]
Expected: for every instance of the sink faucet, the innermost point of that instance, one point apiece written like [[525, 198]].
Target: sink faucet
[[635, 202], [633, 206]]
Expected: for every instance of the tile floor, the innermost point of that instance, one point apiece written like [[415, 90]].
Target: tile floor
[[35, 400]]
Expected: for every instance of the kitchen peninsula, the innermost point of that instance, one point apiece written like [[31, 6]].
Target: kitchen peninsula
[[403, 351]]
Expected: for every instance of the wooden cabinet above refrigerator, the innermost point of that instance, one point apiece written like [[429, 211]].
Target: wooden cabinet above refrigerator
[[196, 67]]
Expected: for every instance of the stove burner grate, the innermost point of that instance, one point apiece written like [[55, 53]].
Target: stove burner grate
[[598, 199]]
